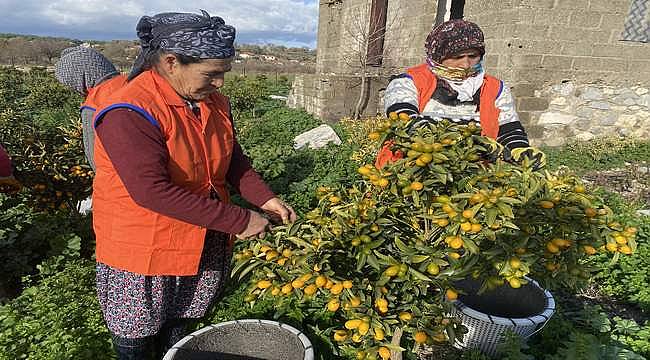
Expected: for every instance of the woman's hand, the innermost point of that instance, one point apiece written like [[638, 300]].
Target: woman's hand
[[257, 225], [278, 210]]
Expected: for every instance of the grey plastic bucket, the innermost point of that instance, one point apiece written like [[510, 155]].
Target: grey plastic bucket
[[243, 340], [523, 311]]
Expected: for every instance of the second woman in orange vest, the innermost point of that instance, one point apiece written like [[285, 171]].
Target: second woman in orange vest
[[451, 84], [94, 77], [166, 153]]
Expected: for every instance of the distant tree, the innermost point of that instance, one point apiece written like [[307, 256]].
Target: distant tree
[[49, 48]]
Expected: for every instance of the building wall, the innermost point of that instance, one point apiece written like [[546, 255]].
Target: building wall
[[570, 73], [337, 64]]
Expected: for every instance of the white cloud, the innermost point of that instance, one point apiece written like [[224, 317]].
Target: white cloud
[[293, 21]]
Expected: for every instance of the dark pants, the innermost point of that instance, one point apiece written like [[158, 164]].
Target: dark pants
[[152, 347]]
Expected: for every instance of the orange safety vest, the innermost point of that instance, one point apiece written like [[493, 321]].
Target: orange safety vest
[[425, 82], [133, 238]]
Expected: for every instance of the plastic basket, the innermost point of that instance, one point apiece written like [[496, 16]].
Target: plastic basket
[[243, 340], [488, 316]]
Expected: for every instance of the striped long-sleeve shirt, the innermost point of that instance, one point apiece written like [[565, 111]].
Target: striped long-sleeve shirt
[[401, 96]]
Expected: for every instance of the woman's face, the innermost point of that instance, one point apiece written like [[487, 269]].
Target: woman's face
[[197, 81], [463, 60]]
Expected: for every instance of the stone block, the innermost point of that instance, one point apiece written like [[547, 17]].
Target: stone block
[[525, 117], [599, 105], [532, 32], [572, 4], [610, 50], [550, 17], [608, 6], [639, 66], [584, 136], [644, 100], [560, 102], [564, 89], [526, 61], [619, 65], [577, 34], [538, 4], [524, 89], [585, 19], [627, 98], [641, 91], [586, 63], [532, 104], [557, 62], [524, 16], [537, 46], [556, 118], [491, 61], [573, 48], [591, 93]]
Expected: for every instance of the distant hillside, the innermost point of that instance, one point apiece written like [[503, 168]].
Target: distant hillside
[[31, 50]]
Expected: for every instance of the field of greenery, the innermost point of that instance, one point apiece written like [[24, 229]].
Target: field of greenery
[[48, 308]]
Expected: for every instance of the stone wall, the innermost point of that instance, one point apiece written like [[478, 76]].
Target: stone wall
[[583, 112], [332, 97], [569, 71]]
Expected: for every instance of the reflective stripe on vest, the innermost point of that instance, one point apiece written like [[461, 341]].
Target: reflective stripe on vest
[[425, 82], [133, 238]]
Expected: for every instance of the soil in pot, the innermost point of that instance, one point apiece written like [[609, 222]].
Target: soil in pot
[[504, 301]]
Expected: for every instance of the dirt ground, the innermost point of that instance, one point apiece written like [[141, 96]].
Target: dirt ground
[[632, 182]]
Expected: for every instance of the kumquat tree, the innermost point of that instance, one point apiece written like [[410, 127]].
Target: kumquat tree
[[376, 262]]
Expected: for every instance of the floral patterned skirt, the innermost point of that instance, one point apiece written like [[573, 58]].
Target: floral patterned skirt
[[136, 306]]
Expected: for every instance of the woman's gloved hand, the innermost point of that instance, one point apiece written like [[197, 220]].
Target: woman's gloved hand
[[528, 157], [492, 149]]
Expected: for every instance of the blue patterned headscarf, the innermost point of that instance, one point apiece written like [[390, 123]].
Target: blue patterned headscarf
[[194, 35]]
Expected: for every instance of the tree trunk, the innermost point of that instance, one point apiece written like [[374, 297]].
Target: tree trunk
[[362, 102]]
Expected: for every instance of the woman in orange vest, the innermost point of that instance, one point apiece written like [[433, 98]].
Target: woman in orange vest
[[166, 153], [452, 85], [89, 73]]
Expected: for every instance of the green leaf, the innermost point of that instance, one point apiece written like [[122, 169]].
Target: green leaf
[[372, 261], [471, 246], [505, 210], [491, 216], [416, 259], [418, 275], [248, 269]]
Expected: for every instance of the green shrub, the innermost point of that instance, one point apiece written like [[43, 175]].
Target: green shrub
[[628, 278], [294, 174], [41, 130], [57, 317], [598, 154], [249, 96]]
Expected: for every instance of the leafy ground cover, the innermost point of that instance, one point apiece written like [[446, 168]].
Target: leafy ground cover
[[48, 308]]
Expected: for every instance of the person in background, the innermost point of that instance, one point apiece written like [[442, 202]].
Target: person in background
[[89, 73], [452, 84], [8, 183], [165, 153]]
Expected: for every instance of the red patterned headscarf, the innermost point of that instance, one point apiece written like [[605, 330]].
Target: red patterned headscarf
[[452, 37]]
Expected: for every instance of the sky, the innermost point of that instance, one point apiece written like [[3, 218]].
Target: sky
[[291, 23]]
